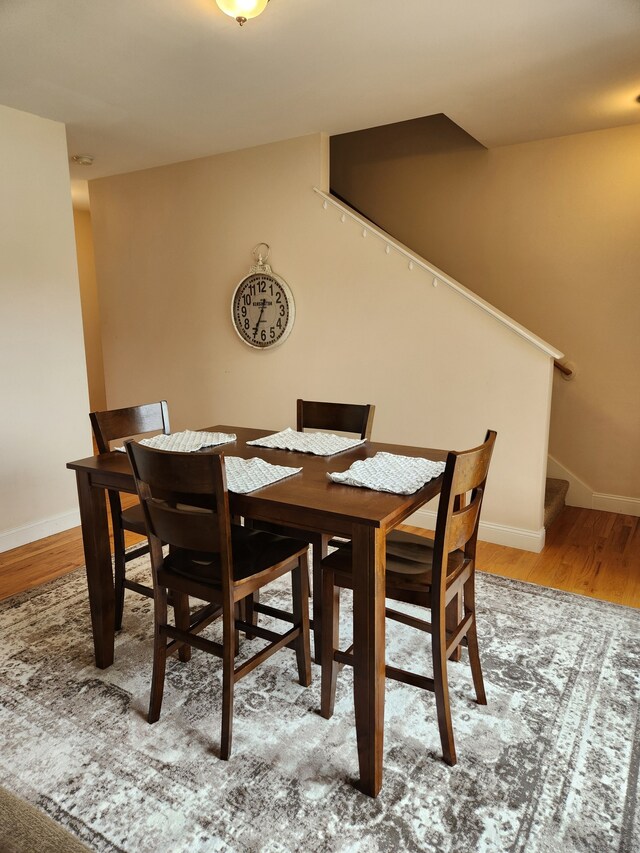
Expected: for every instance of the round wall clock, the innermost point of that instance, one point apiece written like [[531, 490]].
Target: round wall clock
[[262, 307]]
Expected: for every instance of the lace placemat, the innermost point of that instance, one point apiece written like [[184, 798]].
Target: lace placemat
[[247, 475], [187, 441], [318, 443], [388, 472]]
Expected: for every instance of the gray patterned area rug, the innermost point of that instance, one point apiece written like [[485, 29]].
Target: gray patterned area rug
[[550, 764]]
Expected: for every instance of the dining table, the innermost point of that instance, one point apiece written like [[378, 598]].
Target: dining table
[[309, 500]]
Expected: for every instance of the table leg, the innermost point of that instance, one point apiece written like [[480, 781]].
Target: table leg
[[97, 555], [369, 655]]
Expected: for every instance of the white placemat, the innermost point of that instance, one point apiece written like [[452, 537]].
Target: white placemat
[[388, 472], [318, 443], [247, 475], [186, 441]]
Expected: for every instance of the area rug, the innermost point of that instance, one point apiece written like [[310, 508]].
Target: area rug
[[550, 764]]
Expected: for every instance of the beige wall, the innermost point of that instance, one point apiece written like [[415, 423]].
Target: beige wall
[[546, 231], [172, 243], [90, 309], [43, 384]]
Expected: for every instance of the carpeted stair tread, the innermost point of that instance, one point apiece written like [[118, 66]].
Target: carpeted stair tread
[[554, 497]]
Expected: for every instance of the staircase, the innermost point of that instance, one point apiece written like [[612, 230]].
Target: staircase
[[554, 496]]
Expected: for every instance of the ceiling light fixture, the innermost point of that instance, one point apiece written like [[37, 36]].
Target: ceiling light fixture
[[242, 10], [83, 159]]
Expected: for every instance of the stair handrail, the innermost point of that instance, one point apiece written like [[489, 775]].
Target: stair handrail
[[565, 370], [439, 277]]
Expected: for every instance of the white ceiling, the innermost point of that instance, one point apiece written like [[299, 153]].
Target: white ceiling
[[141, 83]]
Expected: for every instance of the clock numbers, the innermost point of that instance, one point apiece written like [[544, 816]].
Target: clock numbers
[[263, 310]]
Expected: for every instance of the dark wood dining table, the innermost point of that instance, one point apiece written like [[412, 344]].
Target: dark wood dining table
[[308, 500]]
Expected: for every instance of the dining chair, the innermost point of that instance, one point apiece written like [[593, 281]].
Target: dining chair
[[437, 574], [337, 417], [352, 418], [116, 425], [186, 505]]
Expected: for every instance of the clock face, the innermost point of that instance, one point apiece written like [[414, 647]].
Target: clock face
[[262, 310]]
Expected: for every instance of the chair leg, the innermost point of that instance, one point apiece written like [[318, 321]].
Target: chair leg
[[239, 611], [319, 552], [228, 681], [250, 613], [159, 655], [300, 596], [441, 687], [119, 575], [454, 617], [182, 619], [330, 642], [472, 642]]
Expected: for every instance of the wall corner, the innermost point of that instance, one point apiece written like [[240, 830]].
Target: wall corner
[[324, 163]]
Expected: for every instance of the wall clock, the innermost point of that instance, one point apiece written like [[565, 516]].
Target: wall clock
[[262, 307]]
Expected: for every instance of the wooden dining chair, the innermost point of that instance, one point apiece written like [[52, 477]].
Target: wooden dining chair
[[115, 425], [437, 574], [186, 505], [352, 418], [338, 417]]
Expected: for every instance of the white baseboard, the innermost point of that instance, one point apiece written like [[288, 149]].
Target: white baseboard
[[497, 534], [616, 503], [18, 536], [581, 494]]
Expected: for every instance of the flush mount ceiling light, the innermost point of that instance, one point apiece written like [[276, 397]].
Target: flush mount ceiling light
[[242, 10], [83, 159]]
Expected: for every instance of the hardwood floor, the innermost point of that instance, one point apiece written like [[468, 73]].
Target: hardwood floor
[[588, 552], [49, 558]]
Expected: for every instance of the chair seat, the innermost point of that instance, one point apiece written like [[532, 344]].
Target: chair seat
[[133, 519], [409, 561], [409, 553], [254, 551], [304, 535]]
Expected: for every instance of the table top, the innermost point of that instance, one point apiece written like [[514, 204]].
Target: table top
[[308, 499]]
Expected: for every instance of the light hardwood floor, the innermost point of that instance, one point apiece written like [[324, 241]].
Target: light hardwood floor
[[588, 552]]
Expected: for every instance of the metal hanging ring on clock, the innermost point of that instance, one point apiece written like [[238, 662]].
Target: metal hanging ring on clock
[[259, 258]]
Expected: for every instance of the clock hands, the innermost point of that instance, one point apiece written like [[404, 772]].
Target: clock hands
[[263, 305]]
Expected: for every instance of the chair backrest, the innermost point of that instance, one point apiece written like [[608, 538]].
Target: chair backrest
[[184, 498], [458, 518], [116, 424], [340, 417]]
